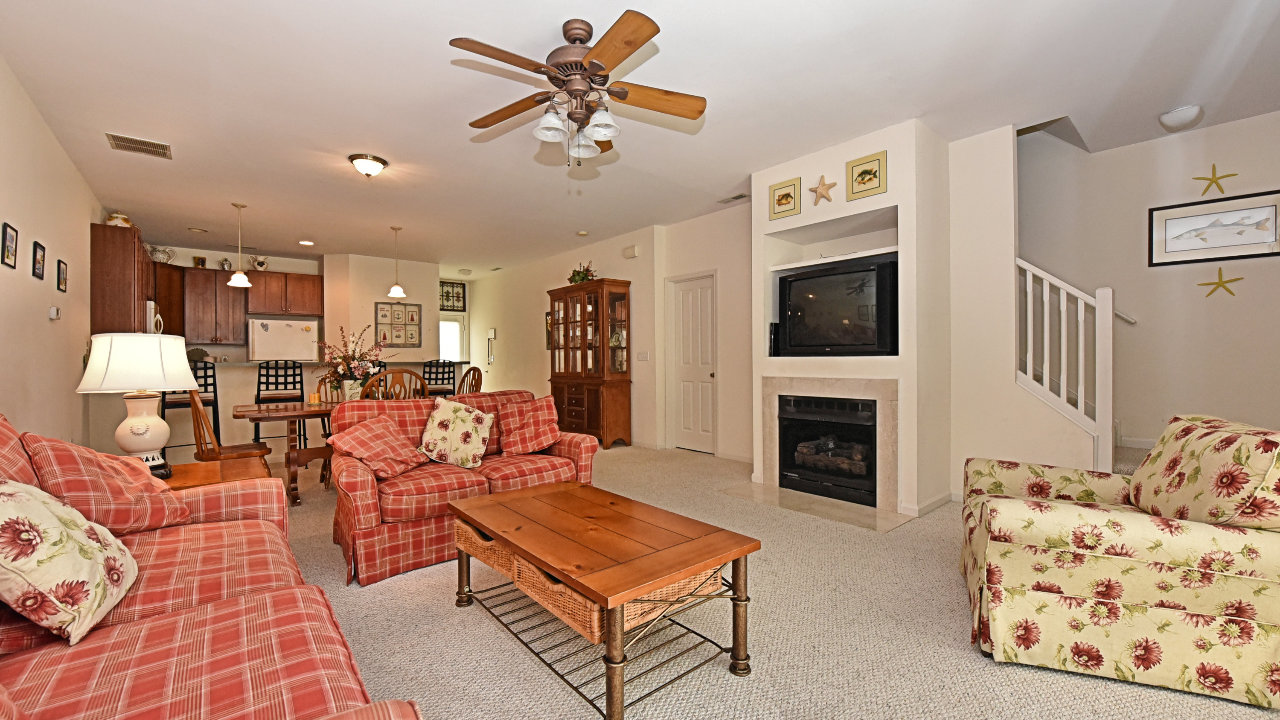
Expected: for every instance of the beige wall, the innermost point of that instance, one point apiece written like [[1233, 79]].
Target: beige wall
[[1083, 218], [991, 416], [353, 283], [43, 195], [720, 243]]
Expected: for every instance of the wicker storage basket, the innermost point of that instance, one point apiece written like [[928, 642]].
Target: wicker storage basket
[[585, 616], [483, 548]]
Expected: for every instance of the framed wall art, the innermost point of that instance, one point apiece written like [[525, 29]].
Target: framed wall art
[[1230, 228], [10, 255], [453, 296], [62, 276], [784, 199], [398, 324], [37, 260], [866, 176]]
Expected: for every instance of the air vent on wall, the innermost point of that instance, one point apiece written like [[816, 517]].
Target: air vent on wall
[[138, 145]]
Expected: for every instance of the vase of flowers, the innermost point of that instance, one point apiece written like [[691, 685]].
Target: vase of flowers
[[583, 273], [350, 364]]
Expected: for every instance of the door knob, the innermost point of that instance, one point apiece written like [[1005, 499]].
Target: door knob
[[713, 375]]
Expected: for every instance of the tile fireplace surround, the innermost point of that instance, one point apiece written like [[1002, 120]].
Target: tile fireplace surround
[[884, 392]]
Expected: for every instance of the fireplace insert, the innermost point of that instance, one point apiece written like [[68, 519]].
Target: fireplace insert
[[827, 446]]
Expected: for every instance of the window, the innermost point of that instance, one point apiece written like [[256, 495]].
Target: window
[[453, 338]]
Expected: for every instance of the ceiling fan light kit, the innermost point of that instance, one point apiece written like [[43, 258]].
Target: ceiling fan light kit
[[579, 74]]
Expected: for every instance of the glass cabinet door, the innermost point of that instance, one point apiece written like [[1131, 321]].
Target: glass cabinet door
[[619, 315], [575, 334], [559, 354], [591, 327]]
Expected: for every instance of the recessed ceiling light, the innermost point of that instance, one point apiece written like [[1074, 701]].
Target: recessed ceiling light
[[583, 233], [464, 271], [308, 243], [197, 230]]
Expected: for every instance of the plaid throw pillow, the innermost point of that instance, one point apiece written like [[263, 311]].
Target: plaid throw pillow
[[456, 434], [528, 427], [378, 443], [59, 570], [116, 492]]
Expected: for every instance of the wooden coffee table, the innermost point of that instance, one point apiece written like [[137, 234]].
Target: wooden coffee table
[[607, 550]]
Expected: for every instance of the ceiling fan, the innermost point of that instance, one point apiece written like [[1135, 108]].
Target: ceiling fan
[[580, 74]]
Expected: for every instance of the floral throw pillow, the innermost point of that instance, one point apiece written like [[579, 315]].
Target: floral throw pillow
[[379, 443], [456, 434], [528, 427], [59, 570], [1211, 470]]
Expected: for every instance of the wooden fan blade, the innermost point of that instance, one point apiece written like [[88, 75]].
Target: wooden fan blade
[[501, 55], [627, 35], [512, 110], [663, 101], [605, 145]]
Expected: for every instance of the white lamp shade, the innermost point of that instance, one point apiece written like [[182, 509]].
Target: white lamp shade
[[129, 362], [551, 127], [396, 291], [602, 126], [581, 147], [239, 280]]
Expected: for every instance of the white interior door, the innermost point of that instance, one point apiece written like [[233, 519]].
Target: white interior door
[[691, 395]]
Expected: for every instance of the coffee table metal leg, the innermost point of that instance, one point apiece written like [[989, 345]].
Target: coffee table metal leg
[[739, 659], [464, 580], [615, 660]]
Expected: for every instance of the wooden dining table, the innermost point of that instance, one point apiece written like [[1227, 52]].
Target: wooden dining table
[[294, 415]]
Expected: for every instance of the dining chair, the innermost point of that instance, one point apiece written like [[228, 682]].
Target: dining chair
[[206, 377], [394, 385], [208, 449], [440, 376], [328, 394], [471, 381], [278, 381]]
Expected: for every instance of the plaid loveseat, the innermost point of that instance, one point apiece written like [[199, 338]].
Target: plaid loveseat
[[1168, 577], [218, 623], [387, 527]]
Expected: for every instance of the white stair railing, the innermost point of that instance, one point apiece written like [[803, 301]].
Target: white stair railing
[[1065, 353]]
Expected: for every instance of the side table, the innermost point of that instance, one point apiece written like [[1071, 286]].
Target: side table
[[189, 475]]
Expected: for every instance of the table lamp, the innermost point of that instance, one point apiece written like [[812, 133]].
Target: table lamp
[[140, 365]]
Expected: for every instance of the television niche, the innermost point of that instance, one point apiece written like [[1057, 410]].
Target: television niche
[[848, 307]]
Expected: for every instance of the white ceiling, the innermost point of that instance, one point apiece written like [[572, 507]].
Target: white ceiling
[[263, 101]]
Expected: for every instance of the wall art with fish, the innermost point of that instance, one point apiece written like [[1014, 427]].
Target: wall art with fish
[[784, 199], [1211, 230]]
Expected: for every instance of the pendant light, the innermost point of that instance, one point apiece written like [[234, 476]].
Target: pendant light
[[582, 147], [601, 126], [551, 127], [396, 291], [239, 279]]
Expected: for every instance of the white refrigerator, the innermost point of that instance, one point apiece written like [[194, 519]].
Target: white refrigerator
[[283, 339]]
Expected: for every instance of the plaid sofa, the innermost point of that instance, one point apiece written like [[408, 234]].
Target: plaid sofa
[[217, 624], [387, 527]]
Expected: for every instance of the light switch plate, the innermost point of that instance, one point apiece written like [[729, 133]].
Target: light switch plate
[[55, 312], [642, 357]]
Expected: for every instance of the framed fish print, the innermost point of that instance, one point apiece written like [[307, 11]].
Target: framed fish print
[[1230, 228], [784, 199], [866, 176]]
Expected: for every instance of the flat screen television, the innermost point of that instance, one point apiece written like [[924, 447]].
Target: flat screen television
[[845, 308]]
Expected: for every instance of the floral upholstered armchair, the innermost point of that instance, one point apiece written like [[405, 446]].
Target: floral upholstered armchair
[[1170, 577]]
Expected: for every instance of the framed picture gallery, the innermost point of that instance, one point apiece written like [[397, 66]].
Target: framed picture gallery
[[398, 324]]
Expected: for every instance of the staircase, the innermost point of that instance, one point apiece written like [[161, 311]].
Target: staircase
[[1065, 353]]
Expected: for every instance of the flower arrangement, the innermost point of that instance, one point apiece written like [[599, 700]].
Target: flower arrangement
[[583, 273], [348, 360]]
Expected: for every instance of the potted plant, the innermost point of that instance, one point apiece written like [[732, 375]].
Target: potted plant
[[350, 364], [582, 274]]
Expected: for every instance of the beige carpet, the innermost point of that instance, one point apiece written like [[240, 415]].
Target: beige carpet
[[845, 623]]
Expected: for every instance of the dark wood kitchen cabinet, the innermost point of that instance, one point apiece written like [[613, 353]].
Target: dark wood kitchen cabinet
[[214, 312], [276, 293], [121, 280], [170, 303]]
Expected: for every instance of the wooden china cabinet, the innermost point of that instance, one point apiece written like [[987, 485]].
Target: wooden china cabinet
[[591, 358]]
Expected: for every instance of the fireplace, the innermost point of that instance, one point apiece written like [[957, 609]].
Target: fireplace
[[827, 446]]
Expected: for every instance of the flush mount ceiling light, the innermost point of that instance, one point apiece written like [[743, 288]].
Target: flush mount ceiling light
[[579, 74], [308, 243], [239, 279], [197, 230], [368, 165], [396, 290], [464, 271], [1181, 118]]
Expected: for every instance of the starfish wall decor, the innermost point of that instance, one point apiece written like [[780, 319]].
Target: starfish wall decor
[[1220, 283], [1214, 179], [822, 191]]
